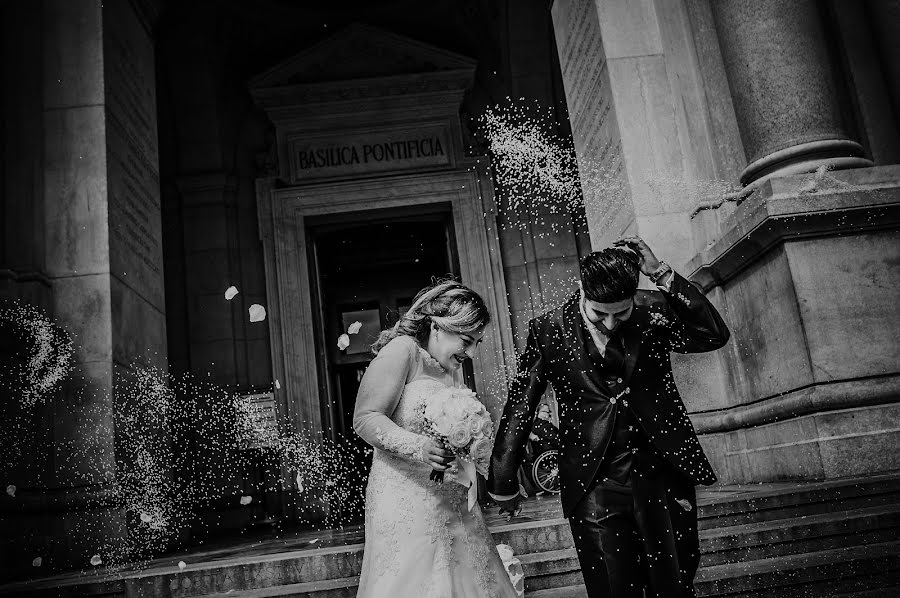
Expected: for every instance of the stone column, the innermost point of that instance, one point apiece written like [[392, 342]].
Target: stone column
[[783, 88], [102, 242], [637, 109]]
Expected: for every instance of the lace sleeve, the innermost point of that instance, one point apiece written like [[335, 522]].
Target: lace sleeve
[[379, 393]]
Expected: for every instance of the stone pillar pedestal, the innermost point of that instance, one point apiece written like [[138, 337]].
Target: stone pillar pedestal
[[785, 94]]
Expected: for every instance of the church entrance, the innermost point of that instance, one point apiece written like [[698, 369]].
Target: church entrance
[[366, 269], [369, 198]]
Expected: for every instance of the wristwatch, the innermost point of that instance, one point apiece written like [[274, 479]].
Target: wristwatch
[[663, 269]]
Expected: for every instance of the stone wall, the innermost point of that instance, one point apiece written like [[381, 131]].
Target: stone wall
[[93, 195]]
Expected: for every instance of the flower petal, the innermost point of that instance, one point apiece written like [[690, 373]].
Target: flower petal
[[246, 500], [95, 560], [257, 313], [354, 328], [37, 562], [182, 565], [230, 292], [11, 490], [343, 342]]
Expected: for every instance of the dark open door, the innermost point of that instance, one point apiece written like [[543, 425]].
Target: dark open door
[[366, 268]]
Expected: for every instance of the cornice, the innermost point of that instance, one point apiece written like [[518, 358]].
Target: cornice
[[782, 210]]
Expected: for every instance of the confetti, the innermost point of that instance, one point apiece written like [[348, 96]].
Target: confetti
[[343, 342], [257, 313], [246, 500], [49, 352], [277, 384], [95, 560], [230, 293], [37, 562], [299, 483], [182, 565], [11, 490], [207, 431], [354, 328]]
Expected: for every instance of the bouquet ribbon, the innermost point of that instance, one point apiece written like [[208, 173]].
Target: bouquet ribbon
[[465, 476]]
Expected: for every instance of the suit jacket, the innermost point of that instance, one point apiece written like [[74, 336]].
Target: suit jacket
[[559, 351]]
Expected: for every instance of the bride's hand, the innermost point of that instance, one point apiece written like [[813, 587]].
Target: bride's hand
[[437, 456]]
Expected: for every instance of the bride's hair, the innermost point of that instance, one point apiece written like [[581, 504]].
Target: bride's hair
[[448, 304]]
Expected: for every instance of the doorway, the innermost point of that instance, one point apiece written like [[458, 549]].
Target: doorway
[[367, 267]]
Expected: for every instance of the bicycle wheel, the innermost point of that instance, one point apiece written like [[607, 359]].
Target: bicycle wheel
[[545, 471]]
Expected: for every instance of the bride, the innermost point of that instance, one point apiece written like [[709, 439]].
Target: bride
[[423, 539]]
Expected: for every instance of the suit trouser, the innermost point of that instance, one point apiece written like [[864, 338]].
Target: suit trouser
[[636, 536]]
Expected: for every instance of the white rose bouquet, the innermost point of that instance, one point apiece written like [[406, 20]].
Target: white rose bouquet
[[457, 419]]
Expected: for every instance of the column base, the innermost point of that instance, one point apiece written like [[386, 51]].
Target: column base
[[837, 154]]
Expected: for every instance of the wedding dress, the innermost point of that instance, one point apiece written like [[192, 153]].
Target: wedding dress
[[422, 540]]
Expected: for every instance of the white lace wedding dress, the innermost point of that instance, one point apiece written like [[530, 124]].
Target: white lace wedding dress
[[422, 540]]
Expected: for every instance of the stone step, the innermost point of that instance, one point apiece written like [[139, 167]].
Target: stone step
[[825, 573], [333, 588], [534, 536], [888, 592], [576, 591], [797, 501], [580, 591], [787, 524], [813, 533], [552, 569]]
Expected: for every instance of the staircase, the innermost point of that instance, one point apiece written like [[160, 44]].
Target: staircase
[[817, 540], [837, 539]]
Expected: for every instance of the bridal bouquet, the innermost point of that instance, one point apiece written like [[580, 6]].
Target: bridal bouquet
[[457, 419]]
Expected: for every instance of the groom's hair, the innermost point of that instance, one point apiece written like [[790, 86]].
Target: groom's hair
[[610, 275]]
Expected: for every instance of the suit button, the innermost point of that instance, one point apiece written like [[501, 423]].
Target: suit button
[[628, 391], [613, 400], [619, 380]]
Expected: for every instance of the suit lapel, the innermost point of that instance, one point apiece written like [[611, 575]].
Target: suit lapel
[[632, 332], [587, 355]]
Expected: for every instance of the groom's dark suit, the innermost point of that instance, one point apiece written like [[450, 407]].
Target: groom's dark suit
[[629, 455]]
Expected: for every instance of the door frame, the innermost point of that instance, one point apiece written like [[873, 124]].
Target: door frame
[[282, 213]]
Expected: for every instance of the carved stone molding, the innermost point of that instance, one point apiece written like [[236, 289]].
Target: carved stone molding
[[789, 208], [817, 398], [361, 51], [282, 215]]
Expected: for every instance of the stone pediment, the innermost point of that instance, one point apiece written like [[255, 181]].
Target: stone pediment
[[361, 52]]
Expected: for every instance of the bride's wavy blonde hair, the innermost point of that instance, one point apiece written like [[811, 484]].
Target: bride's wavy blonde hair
[[450, 305]]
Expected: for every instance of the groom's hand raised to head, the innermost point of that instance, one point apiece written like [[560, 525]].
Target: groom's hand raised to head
[[437, 456], [649, 264]]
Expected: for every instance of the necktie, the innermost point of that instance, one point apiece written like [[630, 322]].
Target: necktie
[[615, 353]]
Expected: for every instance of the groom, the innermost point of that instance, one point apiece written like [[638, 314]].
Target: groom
[[629, 456]]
